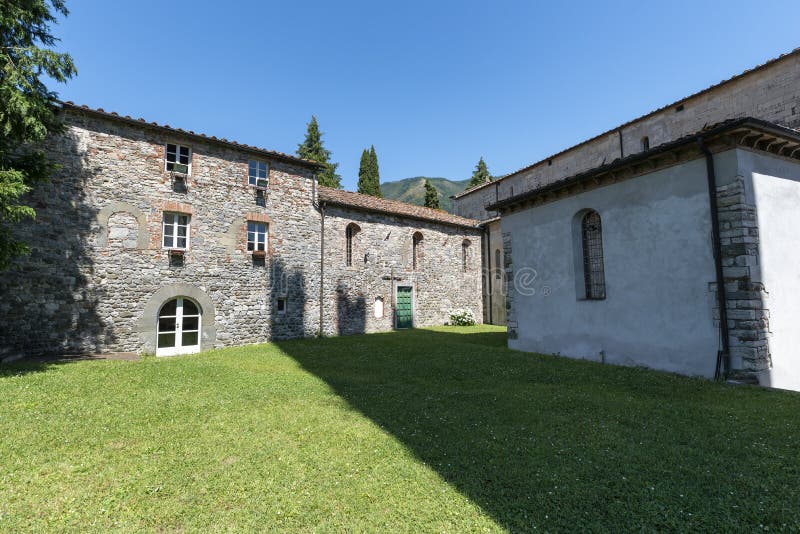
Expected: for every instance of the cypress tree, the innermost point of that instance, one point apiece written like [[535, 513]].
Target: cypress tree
[[369, 182], [313, 149], [364, 173], [431, 196], [376, 174], [480, 175]]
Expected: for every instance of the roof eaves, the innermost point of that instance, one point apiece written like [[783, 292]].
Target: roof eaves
[[723, 127], [683, 100], [288, 158]]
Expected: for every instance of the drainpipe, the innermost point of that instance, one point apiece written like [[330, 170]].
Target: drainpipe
[[322, 270], [723, 356], [488, 272]]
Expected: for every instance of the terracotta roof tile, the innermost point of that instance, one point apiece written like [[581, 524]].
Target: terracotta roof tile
[[142, 122], [348, 199]]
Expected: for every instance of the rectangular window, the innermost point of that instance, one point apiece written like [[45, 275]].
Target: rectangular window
[[257, 172], [256, 235], [179, 159], [281, 306], [176, 231]]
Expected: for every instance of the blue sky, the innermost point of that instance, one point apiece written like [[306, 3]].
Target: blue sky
[[433, 85]]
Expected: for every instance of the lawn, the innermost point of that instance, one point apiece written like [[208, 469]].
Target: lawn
[[428, 430]]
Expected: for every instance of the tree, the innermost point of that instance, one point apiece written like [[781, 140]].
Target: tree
[[369, 182], [376, 173], [313, 149], [480, 175], [431, 196], [28, 109]]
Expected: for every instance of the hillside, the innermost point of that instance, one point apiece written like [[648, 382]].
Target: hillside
[[412, 190]]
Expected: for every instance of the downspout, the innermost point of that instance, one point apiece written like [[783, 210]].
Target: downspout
[[322, 270], [723, 356], [488, 272]]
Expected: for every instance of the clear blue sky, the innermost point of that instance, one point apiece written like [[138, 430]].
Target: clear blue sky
[[433, 85]]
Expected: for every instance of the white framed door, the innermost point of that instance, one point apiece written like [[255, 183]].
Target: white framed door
[[179, 323]]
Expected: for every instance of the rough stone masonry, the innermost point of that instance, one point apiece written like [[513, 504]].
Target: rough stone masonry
[[99, 271]]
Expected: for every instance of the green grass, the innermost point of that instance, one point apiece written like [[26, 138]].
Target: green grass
[[429, 430]]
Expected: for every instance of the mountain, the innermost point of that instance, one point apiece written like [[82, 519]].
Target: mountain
[[412, 190]]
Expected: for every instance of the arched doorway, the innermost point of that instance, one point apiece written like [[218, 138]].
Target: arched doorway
[[179, 323]]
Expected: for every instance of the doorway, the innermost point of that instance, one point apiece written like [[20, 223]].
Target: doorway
[[178, 327]]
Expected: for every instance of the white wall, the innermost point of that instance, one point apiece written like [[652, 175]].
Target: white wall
[[776, 191], [658, 266]]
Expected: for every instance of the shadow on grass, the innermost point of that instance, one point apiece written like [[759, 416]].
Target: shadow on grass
[[557, 444]]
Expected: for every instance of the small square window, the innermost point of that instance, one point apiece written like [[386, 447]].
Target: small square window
[[176, 231], [178, 159], [281, 306], [257, 173], [257, 235]]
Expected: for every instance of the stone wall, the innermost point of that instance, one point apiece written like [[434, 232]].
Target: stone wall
[[771, 93], [748, 319], [382, 260], [97, 258], [98, 274]]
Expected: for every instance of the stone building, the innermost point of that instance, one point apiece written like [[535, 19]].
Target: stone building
[[665, 242], [155, 239]]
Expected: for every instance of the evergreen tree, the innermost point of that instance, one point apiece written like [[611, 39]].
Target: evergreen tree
[[364, 173], [480, 175], [369, 182], [376, 173], [431, 196], [313, 149], [27, 108]]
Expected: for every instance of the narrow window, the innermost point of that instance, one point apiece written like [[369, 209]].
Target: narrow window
[[257, 235], [378, 308], [465, 255], [416, 243], [498, 264], [593, 270], [179, 159], [257, 172], [645, 143], [350, 234], [176, 231], [281, 306]]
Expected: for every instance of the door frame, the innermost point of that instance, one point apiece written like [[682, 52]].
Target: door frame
[[179, 348], [413, 304]]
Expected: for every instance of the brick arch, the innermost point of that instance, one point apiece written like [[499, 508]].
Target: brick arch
[[142, 239], [146, 325]]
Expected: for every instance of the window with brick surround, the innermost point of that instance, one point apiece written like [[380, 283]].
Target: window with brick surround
[[257, 235], [178, 159], [176, 231], [257, 173], [593, 268]]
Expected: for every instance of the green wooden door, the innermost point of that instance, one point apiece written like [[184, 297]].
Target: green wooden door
[[405, 307]]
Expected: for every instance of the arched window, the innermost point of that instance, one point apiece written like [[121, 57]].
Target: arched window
[[645, 143], [377, 309], [350, 235], [416, 249], [498, 264], [465, 254], [178, 327], [593, 269]]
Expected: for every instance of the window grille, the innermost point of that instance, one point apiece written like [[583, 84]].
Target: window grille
[[593, 269]]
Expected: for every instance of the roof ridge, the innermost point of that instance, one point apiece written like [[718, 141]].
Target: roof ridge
[[357, 200], [733, 78]]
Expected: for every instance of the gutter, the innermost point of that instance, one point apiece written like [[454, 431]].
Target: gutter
[[723, 365]]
